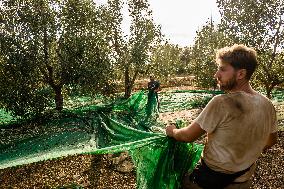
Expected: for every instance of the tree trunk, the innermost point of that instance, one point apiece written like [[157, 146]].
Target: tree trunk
[[127, 87], [268, 91], [129, 83], [58, 98], [127, 93], [49, 76]]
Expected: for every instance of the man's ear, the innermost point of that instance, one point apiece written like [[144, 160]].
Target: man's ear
[[241, 73]]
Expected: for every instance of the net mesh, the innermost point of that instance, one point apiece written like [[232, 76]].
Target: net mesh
[[122, 125]]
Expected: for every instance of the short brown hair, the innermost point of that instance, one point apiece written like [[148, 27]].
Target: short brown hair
[[239, 57]]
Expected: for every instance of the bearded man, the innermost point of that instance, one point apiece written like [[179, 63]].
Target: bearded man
[[239, 125]]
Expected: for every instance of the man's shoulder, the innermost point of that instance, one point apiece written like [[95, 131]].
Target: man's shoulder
[[216, 100], [156, 83], [243, 97], [266, 100], [219, 97]]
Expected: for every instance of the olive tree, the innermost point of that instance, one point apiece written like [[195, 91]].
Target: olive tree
[[132, 51], [202, 59], [49, 45], [258, 24]]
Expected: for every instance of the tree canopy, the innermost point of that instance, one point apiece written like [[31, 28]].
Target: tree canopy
[[258, 24], [51, 47], [166, 61], [48, 47], [202, 59]]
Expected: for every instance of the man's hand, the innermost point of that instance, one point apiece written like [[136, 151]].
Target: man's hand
[[185, 134], [169, 129]]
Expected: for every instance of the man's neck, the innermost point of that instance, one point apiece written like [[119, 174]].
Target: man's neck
[[243, 86]]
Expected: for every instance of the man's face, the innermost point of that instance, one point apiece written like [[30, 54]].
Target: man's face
[[226, 77]]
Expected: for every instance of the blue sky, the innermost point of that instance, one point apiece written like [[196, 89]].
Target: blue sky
[[180, 19]]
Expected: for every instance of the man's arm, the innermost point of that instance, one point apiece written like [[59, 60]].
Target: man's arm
[[186, 134], [272, 139]]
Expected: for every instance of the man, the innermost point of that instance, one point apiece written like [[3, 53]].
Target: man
[[239, 124], [153, 88]]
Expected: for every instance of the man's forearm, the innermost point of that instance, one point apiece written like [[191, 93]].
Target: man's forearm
[[186, 134], [181, 135]]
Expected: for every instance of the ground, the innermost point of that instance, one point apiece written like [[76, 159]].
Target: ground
[[116, 171]]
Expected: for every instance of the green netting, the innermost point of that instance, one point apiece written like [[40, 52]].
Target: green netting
[[6, 117], [123, 125], [278, 95], [178, 100]]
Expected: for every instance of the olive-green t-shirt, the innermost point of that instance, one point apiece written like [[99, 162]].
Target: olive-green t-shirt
[[238, 126]]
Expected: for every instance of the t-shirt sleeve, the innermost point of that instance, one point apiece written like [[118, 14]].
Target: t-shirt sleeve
[[212, 115]]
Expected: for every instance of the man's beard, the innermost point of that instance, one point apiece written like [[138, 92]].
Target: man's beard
[[229, 85]]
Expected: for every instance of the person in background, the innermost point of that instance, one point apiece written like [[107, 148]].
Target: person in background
[[239, 125], [153, 88]]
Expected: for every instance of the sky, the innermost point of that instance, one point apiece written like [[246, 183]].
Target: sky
[[179, 19]]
